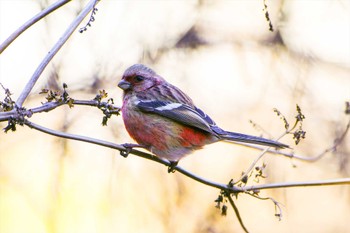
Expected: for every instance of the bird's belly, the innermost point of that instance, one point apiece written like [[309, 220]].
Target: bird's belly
[[164, 137]]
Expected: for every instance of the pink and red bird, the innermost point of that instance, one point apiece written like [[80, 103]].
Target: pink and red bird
[[164, 120]]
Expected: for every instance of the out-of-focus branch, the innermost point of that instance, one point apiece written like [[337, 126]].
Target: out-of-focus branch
[[29, 86], [293, 155], [31, 22], [340, 181]]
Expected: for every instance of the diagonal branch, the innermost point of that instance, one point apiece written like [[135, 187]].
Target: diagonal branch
[[29, 86], [73, 136], [31, 22], [245, 174], [236, 212]]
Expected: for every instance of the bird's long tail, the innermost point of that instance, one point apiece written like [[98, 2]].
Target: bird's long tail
[[237, 137]]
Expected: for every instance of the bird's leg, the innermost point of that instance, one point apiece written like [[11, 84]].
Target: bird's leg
[[171, 168], [128, 148]]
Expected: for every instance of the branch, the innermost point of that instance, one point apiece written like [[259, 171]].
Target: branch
[[123, 149], [46, 107], [227, 188], [93, 103], [27, 89], [340, 181], [236, 211], [292, 155], [56, 99], [245, 174], [73, 136], [31, 22], [17, 113]]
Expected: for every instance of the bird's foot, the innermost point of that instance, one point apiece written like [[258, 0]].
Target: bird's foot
[[171, 168], [128, 148]]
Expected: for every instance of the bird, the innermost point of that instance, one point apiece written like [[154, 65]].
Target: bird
[[164, 120]]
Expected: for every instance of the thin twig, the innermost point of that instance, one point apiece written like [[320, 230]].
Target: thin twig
[[252, 165], [236, 212], [31, 22], [340, 181], [29, 86], [298, 121], [267, 16], [52, 105], [257, 160], [332, 148], [278, 209]]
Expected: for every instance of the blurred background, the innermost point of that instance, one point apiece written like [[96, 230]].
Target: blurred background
[[223, 55]]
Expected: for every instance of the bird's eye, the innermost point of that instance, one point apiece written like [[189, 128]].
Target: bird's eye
[[139, 78]]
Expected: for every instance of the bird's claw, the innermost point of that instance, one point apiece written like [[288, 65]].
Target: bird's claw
[[125, 152], [172, 166], [128, 148]]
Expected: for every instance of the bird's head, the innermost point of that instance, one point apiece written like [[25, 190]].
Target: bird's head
[[139, 78]]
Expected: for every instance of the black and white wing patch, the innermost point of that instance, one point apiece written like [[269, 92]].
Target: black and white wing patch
[[179, 112]]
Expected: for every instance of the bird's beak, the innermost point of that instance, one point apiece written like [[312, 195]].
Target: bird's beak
[[124, 85]]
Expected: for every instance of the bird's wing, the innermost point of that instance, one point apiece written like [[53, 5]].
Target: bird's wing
[[194, 117], [179, 112]]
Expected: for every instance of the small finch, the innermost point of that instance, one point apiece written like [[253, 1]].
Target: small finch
[[164, 120]]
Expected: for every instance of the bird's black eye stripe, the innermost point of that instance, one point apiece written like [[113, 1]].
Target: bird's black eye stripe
[[139, 78]]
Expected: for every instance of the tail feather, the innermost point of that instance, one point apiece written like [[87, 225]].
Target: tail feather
[[237, 137]]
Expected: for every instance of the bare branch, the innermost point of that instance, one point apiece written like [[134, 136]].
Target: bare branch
[[27, 89], [227, 188], [236, 211], [291, 155], [340, 181], [267, 16], [93, 103], [278, 209], [257, 159], [91, 19], [73, 136], [31, 22], [122, 148]]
